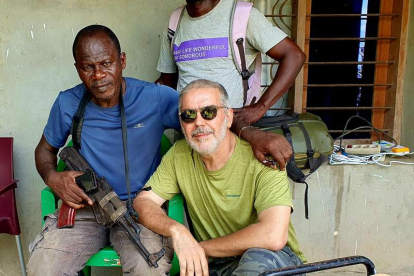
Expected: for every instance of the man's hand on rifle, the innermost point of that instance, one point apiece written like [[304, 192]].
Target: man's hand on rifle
[[191, 255], [64, 185]]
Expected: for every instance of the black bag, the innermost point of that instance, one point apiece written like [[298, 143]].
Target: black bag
[[310, 141]]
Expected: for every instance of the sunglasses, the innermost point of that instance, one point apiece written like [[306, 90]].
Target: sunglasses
[[207, 113]]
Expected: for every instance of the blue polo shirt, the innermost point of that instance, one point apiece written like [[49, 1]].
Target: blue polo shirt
[[150, 109]]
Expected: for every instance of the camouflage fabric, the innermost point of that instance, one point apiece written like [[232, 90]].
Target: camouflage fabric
[[253, 262]]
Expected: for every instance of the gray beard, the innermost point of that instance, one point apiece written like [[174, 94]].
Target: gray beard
[[214, 145]]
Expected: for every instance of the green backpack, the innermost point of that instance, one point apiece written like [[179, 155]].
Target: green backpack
[[310, 141]]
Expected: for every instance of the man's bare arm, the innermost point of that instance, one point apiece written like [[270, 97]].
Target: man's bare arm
[[148, 205], [168, 79], [291, 59], [62, 183], [270, 232], [190, 254], [45, 158]]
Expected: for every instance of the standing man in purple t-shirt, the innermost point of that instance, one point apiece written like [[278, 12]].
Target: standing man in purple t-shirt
[[202, 50]]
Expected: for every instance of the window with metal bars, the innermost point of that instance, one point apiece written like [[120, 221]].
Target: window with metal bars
[[354, 60]]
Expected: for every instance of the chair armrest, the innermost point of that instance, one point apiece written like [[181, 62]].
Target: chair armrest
[[8, 186], [176, 208], [48, 201], [165, 145], [176, 212]]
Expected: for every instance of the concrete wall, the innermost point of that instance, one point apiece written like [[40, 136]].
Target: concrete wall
[[354, 210], [36, 63], [359, 210], [408, 114]]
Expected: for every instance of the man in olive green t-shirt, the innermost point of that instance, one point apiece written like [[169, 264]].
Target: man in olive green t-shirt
[[240, 209]]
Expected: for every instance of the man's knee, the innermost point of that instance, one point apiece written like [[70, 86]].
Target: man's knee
[[64, 251], [257, 260], [51, 262], [132, 262], [46, 257]]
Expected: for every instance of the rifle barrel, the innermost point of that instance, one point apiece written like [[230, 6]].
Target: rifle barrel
[[135, 238]]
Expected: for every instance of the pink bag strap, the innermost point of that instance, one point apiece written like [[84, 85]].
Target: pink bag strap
[[255, 81], [238, 28], [174, 23]]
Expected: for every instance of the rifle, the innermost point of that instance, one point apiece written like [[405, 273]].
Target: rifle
[[106, 202]]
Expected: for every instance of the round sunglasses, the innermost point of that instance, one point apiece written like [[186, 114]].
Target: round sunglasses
[[207, 113]]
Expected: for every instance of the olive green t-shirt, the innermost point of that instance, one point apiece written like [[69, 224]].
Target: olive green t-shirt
[[227, 200]]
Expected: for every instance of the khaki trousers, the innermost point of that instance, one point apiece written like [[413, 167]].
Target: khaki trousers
[[65, 251]]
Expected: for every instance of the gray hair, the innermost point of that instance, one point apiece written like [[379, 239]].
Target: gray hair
[[203, 83]]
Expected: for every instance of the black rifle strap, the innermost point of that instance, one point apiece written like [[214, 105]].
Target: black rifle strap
[[77, 124], [130, 209], [77, 121], [245, 74], [292, 169], [125, 146]]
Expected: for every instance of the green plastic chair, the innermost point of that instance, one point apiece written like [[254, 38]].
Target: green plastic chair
[[107, 257]]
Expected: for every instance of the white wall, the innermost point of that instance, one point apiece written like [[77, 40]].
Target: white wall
[[359, 210], [36, 63]]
